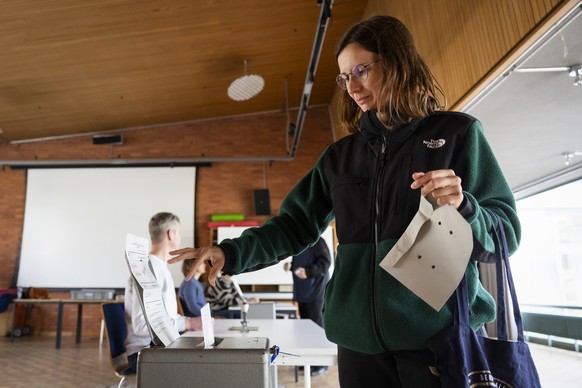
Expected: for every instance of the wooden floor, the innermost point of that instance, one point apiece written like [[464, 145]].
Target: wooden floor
[[34, 362]]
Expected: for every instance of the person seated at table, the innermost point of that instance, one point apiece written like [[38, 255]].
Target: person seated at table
[[164, 229], [225, 294], [191, 292]]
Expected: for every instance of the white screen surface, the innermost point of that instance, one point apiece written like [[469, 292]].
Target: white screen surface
[[274, 274], [76, 221]]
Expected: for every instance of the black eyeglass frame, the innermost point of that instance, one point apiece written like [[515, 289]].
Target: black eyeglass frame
[[343, 78]]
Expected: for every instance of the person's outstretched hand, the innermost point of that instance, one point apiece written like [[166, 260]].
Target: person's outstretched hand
[[213, 255], [443, 185], [193, 324]]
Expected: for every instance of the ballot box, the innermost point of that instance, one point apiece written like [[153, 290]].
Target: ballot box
[[232, 362]]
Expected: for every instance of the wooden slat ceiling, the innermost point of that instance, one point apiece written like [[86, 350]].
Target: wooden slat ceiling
[[86, 66]]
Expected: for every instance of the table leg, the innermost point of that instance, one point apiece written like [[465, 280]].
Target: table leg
[[59, 326], [14, 305], [79, 323], [101, 333], [307, 376], [274, 383]]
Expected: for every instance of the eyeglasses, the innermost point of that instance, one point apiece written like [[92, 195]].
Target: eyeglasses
[[358, 73]]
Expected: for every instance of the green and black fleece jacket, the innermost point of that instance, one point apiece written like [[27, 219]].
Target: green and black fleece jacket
[[363, 181]]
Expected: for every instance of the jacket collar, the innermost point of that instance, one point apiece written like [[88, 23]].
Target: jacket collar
[[375, 132]]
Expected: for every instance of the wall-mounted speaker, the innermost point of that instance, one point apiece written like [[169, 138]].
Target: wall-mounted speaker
[[108, 139], [262, 202]]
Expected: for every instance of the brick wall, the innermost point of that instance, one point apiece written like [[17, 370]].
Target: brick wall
[[224, 187]]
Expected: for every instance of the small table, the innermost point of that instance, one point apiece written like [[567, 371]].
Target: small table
[[61, 303], [288, 309], [301, 341], [266, 296]]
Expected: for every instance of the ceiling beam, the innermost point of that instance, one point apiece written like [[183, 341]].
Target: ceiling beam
[[324, 17]]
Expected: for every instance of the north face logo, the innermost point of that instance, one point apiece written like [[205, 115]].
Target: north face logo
[[434, 143]]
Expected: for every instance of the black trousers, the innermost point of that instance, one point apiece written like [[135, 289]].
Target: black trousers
[[402, 369], [312, 310], [132, 361]]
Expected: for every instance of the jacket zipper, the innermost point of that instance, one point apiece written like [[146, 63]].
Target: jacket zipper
[[377, 199]]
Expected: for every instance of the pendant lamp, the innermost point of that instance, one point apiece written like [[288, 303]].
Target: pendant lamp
[[245, 87]]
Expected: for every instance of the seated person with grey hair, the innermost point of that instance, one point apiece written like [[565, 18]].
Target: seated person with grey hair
[[165, 236]]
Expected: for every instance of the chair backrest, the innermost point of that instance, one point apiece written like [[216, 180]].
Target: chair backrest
[[114, 316], [181, 304], [263, 310]]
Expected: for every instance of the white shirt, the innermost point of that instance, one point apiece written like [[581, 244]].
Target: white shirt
[[138, 336]]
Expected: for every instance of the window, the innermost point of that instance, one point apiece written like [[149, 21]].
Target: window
[[547, 267]]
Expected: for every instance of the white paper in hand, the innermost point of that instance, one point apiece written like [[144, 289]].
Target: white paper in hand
[[207, 327], [431, 256], [162, 330]]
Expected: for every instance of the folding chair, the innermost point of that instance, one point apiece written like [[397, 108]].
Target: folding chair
[[116, 328]]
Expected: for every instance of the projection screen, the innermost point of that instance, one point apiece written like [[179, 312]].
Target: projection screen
[[76, 221]]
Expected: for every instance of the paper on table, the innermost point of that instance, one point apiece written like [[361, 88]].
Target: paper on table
[[207, 327], [237, 288], [150, 294], [431, 256]]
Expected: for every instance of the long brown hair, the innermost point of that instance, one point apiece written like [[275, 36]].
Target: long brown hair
[[409, 89]]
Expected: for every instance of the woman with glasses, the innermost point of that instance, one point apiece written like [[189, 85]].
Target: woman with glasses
[[402, 145]]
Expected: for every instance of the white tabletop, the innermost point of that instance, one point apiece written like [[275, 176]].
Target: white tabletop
[[300, 337], [279, 306], [270, 295]]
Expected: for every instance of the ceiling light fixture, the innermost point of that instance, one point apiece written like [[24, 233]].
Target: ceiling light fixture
[[568, 156], [245, 87], [573, 71], [576, 72]]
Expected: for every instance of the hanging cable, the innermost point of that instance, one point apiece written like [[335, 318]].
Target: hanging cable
[[288, 124]]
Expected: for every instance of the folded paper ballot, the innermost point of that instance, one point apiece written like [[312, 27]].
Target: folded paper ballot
[[431, 256]]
